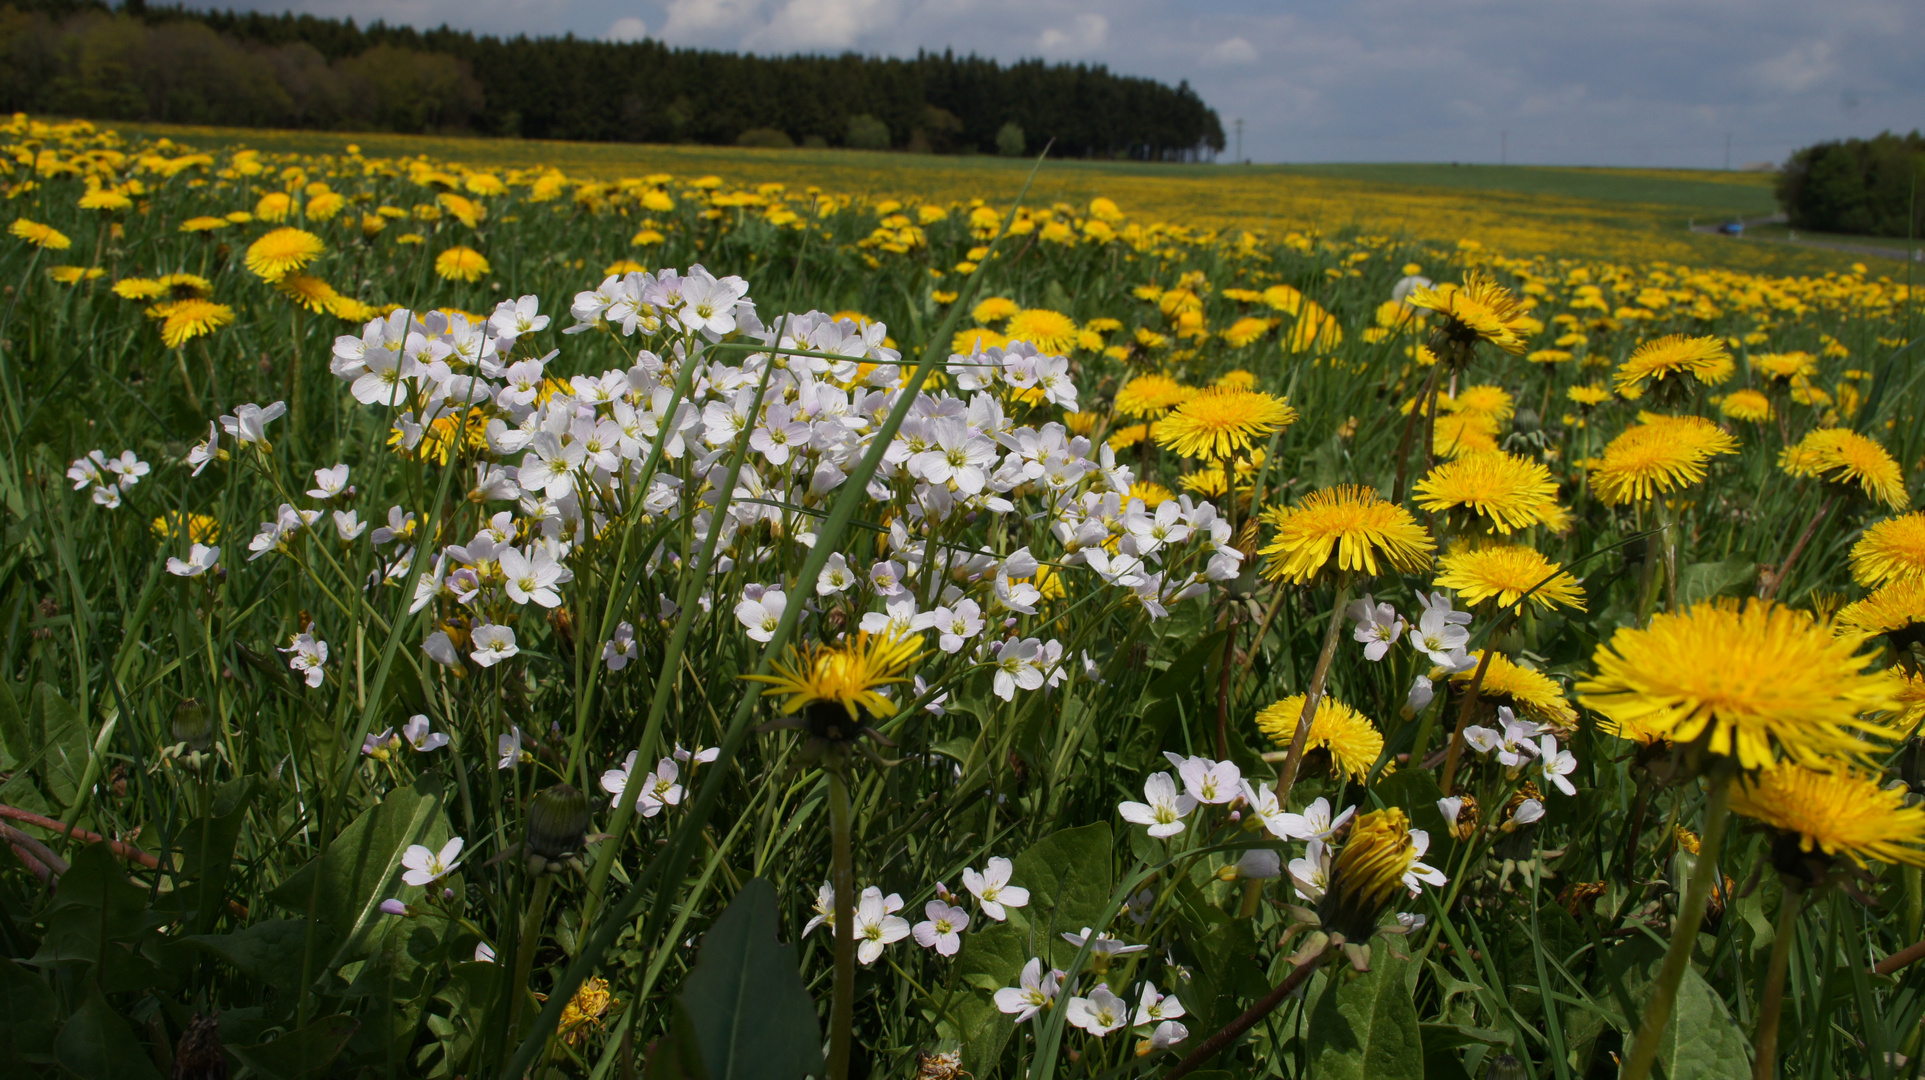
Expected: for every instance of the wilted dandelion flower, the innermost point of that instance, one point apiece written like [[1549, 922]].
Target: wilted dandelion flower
[[1218, 423], [1351, 739], [43, 236], [1891, 609], [1843, 456], [1836, 811], [461, 264], [585, 1010], [1673, 357], [1050, 331], [283, 251], [1526, 691], [1505, 491], [1892, 550], [1508, 572], [1657, 457], [1150, 396], [1478, 310], [1747, 405], [1748, 681], [184, 320], [1352, 522]]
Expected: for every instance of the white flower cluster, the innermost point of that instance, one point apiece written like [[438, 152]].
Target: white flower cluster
[[107, 476], [877, 925], [1517, 743]]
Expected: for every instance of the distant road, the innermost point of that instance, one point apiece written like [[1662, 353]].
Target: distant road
[[1792, 241]]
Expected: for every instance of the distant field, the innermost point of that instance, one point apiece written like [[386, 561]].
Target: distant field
[[1621, 214]]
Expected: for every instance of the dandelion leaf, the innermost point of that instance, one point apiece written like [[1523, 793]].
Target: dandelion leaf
[[1365, 1028], [302, 1052], [97, 1043], [747, 1007]]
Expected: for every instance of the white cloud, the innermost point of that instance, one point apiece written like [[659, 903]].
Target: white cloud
[[709, 22], [626, 28], [1087, 33], [1799, 69], [807, 25], [1234, 50]]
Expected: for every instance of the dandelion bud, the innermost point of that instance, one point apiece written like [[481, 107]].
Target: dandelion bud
[[193, 725], [1506, 1067], [557, 821], [1368, 873]]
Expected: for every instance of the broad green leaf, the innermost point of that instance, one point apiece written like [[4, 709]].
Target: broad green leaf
[[65, 741], [1705, 580], [1365, 1028], [14, 741], [299, 1053], [28, 1016], [746, 1004], [270, 951], [1702, 1041], [362, 867], [96, 1043], [676, 1055]]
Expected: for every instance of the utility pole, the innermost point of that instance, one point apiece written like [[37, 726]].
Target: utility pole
[[1727, 151], [1239, 140], [1504, 149]]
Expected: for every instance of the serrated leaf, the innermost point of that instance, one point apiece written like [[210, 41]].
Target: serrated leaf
[[96, 1043], [1365, 1028], [747, 1007]]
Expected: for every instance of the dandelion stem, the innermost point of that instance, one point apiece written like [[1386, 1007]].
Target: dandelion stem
[[525, 951], [1215, 1043], [1313, 696], [1456, 750], [842, 1012], [1410, 430], [1684, 936], [1668, 519], [1764, 1064], [1824, 510]]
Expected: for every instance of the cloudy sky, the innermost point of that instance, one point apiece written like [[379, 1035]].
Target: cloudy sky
[[1597, 82]]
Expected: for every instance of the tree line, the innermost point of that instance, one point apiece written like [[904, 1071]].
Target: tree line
[[173, 64], [1870, 187]]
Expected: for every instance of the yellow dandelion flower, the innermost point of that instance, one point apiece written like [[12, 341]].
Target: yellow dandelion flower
[[1150, 396], [1527, 691], [1785, 365], [1492, 401], [1153, 494], [74, 275], [274, 206], [1751, 682], [1892, 550], [1125, 437], [1837, 811], [184, 320], [43, 236], [308, 292], [1478, 310], [1676, 356], [282, 252], [972, 341], [1218, 423], [1237, 379], [1657, 457], [1352, 741], [994, 309], [106, 200], [348, 309], [1368, 874], [1245, 331], [1051, 332], [326, 205], [1592, 394], [585, 1011], [203, 224], [1463, 434], [461, 264], [139, 289], [464, 210], [1747, 405], [1892, 608], [200, 527], [1353, 523], [623, 266], [847, 675], [1843, 456], [1103, 325], [1508, 572], [1505, 491]]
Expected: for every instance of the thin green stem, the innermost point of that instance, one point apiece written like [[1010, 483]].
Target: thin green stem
[[1764, 1065], [842, 1012], [1293, 759]]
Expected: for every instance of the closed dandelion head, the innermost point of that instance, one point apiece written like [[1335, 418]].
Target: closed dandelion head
[[1347, 528], [1843, 456], [558, 820], [831, 691], [1748, 683], [283, 251], [1368, 873], [1352, 741], [1818, 815], [1494, 491], [1659, 456], [1478, 310], [1892, 550], [1218, 423], [1670, 363], [1508, 572]]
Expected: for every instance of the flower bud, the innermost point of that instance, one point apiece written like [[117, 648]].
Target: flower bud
[[1506, 1067], [193, 725], [557, 821]]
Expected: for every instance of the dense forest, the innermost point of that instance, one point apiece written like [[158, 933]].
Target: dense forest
[[248, 69], [1871, 187]]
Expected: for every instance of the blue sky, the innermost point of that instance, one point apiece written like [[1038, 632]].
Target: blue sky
[[1606, 82]]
